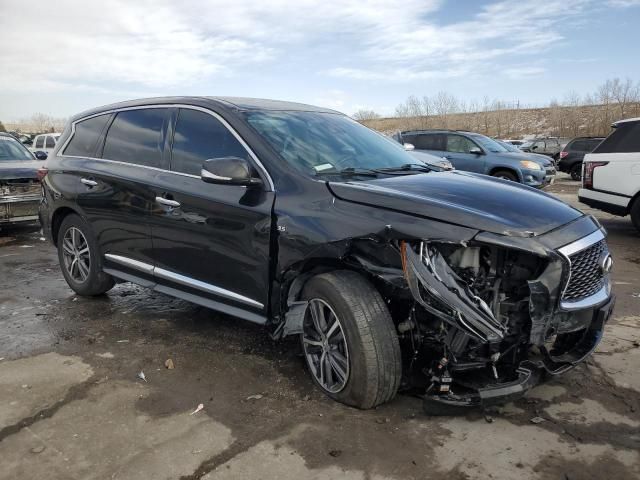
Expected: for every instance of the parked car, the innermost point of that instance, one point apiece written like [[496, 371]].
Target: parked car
[[546, 161], [573, 153], [550, 147], [300, 219], [440, 163], [611, 174], [45, 142], [515, 143], [20, 190], [473, 152]]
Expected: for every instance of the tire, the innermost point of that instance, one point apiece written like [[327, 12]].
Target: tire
[[635, 214], [576, 172], [86, 278], [505, 174], [369, 340]]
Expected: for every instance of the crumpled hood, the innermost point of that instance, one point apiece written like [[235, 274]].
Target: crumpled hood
[[12, 170], [466, 199]]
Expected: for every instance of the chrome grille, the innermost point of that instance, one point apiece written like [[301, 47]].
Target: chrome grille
[[586, 274]]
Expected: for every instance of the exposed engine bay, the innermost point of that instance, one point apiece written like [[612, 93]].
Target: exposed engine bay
[[470, 334]]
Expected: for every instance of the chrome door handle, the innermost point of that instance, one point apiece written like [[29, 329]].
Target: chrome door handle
[[89, 183], [167, 202]]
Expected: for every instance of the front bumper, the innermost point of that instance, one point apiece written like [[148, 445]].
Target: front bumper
[[19, 208], [539, 179], [541, 365]]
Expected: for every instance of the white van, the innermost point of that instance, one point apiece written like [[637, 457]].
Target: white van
[[611, 174], [45, 143]]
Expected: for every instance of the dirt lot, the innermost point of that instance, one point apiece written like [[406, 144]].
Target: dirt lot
[[71, 405]]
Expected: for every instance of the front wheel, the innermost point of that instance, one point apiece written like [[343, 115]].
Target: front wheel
[[349, 340], [79, 258], [505, 175], [635, 214]]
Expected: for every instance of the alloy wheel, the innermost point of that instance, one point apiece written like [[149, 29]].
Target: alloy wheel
[[76, 255], [325, 346]]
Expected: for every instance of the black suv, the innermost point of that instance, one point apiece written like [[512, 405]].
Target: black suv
[[455, 285], [572, 155]]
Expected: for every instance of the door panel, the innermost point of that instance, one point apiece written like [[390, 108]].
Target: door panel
[[218, 235], [458, 148]]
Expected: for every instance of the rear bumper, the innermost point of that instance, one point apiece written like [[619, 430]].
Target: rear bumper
[[541, 365]]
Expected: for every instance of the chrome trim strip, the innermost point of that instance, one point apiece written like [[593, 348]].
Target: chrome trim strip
[[181, 279], [207, 287], [258, 163], [129, 262], [582, 243], [591, 301]]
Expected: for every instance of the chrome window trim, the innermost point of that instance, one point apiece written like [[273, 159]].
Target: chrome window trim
[[258, 163], [181, 279]]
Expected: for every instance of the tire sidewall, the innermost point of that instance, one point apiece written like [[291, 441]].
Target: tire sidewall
[[319, 287], [576, 171], [95, 276]]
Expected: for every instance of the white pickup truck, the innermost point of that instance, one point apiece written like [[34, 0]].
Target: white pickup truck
[[611, 174]]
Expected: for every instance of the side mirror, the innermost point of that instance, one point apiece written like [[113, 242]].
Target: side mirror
[[228, 171], [476, 151], [40, 155], [409, 146]]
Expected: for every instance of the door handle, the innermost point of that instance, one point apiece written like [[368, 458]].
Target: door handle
[[167, 202], [89, 183]]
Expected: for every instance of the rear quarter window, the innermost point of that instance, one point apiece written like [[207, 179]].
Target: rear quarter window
[[429, 141], [85, 138], [624, 139]]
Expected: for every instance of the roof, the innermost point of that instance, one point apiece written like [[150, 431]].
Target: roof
[[626, 120], [230, 103], [438, 130]]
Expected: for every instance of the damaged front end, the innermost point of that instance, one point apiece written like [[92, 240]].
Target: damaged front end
[[19, 200], [487, 322]]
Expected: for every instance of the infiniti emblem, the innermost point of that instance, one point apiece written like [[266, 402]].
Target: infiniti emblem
[[605, 262]]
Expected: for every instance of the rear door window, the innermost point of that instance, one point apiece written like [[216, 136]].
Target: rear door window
[[87, 133], [624, 139], [429, 141], [137, 136], [50, 142], [198, 137], [39, 143]]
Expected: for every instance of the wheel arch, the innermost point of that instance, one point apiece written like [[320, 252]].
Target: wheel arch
[[56, 220], [506, 168]]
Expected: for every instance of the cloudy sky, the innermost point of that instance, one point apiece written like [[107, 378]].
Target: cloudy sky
[[60, 57]]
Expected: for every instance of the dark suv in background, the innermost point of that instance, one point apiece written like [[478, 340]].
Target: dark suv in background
[[573, 153], [452, 285], [473, 152]]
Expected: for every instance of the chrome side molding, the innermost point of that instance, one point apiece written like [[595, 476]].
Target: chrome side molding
[[182, 279]]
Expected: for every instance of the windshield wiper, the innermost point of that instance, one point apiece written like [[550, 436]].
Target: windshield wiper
[[407, 167], [352, 172]]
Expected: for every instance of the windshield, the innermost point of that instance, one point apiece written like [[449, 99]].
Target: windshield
[[11, 149], [324, 143], [509, 147], [489, 144]]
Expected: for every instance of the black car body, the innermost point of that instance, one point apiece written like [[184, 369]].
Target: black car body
[[20, 191], [573, 153], [464, 288]]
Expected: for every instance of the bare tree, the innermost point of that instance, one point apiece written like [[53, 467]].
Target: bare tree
[[363, 115], [2, 129]]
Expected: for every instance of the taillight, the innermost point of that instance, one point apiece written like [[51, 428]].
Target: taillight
[[41, 173], [563, 154], [587, 175]]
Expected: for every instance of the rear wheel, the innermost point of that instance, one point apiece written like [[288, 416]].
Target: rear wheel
[[635, 214], [79, 258], [505, 175], [576, 171], [349, 340]]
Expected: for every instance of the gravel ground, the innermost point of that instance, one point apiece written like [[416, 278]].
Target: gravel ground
[[72, 406]]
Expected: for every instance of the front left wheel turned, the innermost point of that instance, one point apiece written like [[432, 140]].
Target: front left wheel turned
[[79, 258]]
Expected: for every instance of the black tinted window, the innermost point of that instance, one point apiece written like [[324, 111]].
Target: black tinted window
[[624, 139], [591, 144], [579, 146], [198, 137], [429, 141], [83, 143], [50, 142], [39, 142], [135, 136]]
